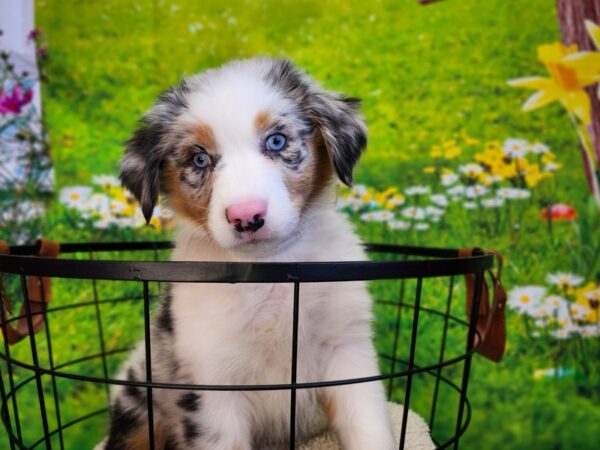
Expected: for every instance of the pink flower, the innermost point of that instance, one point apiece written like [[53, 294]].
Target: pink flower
[[13, 103], [560, 211], [34, 34], [41, 52]]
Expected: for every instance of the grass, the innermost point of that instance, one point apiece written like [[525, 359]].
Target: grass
[[425, 74]]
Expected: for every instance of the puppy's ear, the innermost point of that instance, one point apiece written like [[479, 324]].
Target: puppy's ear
[[342, 127], [148, 147], [141, 165]]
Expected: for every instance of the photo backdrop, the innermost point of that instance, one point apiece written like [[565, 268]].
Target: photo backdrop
[[452, 161]]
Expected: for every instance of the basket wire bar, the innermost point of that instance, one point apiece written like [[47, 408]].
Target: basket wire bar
[[52, 376], [4, 410], [470, 345], [442, 352], [100, 329], [396, 333], [148, 349], [11, 382], [411, 362], [295, 321], [35, 361], [143, 273]]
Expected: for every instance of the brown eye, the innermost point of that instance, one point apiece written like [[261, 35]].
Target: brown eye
[[202, 159]]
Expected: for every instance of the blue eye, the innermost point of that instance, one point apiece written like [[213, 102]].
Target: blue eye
[[276, 142], [202, 160]]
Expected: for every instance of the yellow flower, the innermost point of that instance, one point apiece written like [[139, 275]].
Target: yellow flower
[[565, 85], [448, 144], [155, 222], [436, 151], [587, 64], [452, 152], [468, 139], [429, 169], [493, 146], [485, 179], [548, 157], [533, 175], [583, 296]]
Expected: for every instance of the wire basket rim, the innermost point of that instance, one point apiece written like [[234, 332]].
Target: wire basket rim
[[245, 272]]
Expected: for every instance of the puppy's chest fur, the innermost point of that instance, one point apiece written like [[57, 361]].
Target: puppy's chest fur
[[243, 333]]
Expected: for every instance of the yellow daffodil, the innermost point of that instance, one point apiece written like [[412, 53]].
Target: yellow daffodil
[[565, 85], [587, 63]]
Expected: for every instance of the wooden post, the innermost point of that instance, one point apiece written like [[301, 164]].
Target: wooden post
[[571, 16]]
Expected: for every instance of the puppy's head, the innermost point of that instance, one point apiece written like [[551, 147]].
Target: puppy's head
[[244, 150]]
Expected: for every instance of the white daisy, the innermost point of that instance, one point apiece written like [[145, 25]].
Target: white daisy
[[471, 170], [116, 206], [556, 303], [359, 189], [104, 223], [539, 149], [564, 280], [494, 202], [593, 295], [513, 193], [74, 196], [417, 190], [96, 204], [477, 190], [561, 333], [456, 192], [399, 225], [433, 211], [106, 181], [589, 331], [449, 179], [525, 299], [541, 311], [470, 205], [515, 148], [413, 212], [421, 226], [551, 167], [439, 199], [522, 194], [396, 200], [579, 312], [377, 216]]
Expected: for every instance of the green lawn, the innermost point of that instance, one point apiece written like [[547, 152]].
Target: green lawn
[[426, 75]]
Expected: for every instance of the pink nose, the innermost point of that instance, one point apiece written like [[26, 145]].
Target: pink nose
[[247, 216]]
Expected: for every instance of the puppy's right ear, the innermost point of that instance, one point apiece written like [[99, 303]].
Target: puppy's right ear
[[141, 166]]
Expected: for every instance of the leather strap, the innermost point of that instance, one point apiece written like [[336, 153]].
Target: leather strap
[[39, 293], [491, 321]]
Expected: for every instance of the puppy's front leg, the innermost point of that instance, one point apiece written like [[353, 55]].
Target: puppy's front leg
[[358, 412], [224, 423]]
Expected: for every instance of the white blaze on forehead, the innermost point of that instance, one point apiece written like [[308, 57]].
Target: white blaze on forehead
[[230, 98]]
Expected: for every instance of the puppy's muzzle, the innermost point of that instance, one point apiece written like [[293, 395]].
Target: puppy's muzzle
[[247, 216]]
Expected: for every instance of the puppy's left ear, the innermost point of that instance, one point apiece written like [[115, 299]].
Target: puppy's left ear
[[141, 165], [343, 130]]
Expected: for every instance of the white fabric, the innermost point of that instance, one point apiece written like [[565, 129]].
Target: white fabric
[[417, 433]]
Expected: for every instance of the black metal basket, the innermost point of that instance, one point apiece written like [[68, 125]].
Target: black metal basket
[[48, 373]]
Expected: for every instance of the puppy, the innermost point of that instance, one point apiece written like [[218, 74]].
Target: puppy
[[247, 156]]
